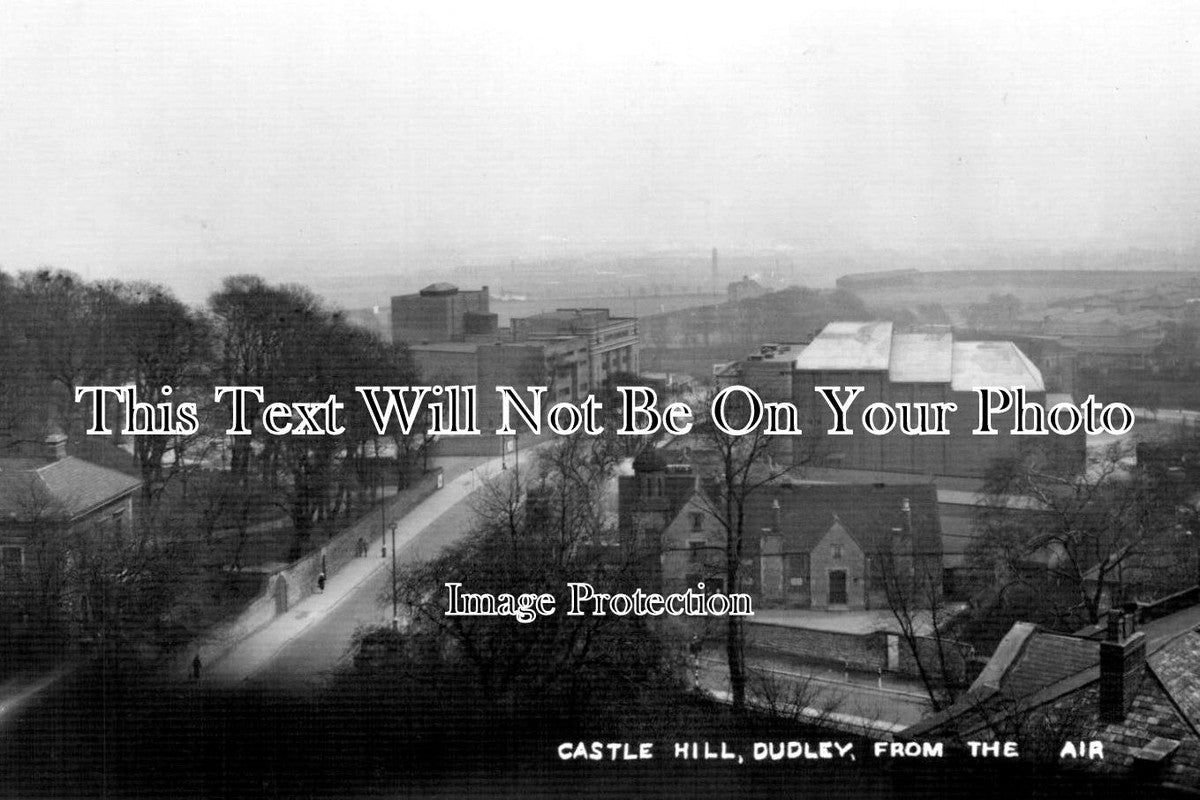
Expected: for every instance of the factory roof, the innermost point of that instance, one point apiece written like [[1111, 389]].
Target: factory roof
[[1001, 364], [849, 346], [923, 355]]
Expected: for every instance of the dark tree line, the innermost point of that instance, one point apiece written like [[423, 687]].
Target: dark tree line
[[59, 332]]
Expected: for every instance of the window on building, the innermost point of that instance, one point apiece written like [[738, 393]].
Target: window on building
[[949, 586], [795, 567], [837, 551], [697, 520], [696, 550], [12, 560]]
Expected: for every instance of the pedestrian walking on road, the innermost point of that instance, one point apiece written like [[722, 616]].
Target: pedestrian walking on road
[[321, 582], [362, 546], [196, 667]]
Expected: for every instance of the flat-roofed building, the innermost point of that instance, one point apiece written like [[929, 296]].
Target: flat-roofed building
[[920, 366], [441, 312], [558, 363], [612, 342]]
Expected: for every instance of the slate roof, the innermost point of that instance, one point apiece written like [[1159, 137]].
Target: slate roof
[[871, 514], [67, 488], [1176, 666], [1048, 658], [1055, 675]]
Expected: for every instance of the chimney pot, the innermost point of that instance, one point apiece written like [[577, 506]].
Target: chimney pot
[[1113, 625]]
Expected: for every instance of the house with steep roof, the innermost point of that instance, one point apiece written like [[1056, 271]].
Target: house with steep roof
[[46, 501], [821, 546], [1132, 685]]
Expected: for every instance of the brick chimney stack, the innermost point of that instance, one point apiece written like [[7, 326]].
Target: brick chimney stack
[[1122, 666], [56, 446]]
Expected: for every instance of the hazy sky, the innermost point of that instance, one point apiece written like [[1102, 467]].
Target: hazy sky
[[162, 135]]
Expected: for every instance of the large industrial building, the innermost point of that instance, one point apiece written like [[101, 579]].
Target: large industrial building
[[922, 365]]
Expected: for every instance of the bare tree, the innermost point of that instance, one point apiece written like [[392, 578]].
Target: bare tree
[[732, 468], [1081, 526], [166, 347], [913, 586], [794, 698], [537, 534]]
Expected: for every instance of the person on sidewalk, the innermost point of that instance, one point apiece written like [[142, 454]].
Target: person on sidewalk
[[321, 582], [196, 667]]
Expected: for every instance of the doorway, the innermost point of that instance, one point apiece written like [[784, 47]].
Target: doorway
[[837, 587]]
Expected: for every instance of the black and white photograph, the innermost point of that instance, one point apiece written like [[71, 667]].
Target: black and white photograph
[[610, 400]]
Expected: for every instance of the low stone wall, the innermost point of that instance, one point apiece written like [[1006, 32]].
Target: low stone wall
[[290, 585], [861, 651], [866, 652]]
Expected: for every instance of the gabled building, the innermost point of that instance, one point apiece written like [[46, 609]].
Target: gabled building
[[1133, 686], [46, 502], [823, 546]]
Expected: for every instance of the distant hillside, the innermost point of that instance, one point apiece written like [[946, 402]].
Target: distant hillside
[[793, 314], [911, 288]]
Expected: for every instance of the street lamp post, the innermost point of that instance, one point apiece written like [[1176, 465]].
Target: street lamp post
[[395, 614], [382, 520]]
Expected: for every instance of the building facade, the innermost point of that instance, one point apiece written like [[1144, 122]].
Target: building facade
[[454, 340], [918, 368], [441, 312], [831, 547], [612, 342]]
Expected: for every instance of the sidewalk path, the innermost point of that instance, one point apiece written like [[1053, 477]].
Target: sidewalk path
[[360, 580], [16, 691]]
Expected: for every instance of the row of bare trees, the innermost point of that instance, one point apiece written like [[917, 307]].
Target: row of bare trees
[[1085, 540], [59, 332]]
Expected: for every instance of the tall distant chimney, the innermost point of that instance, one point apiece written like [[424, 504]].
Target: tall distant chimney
[[1122, 665], [56, 446]]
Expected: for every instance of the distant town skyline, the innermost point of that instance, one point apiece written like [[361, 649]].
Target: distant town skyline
[[185, 143]]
